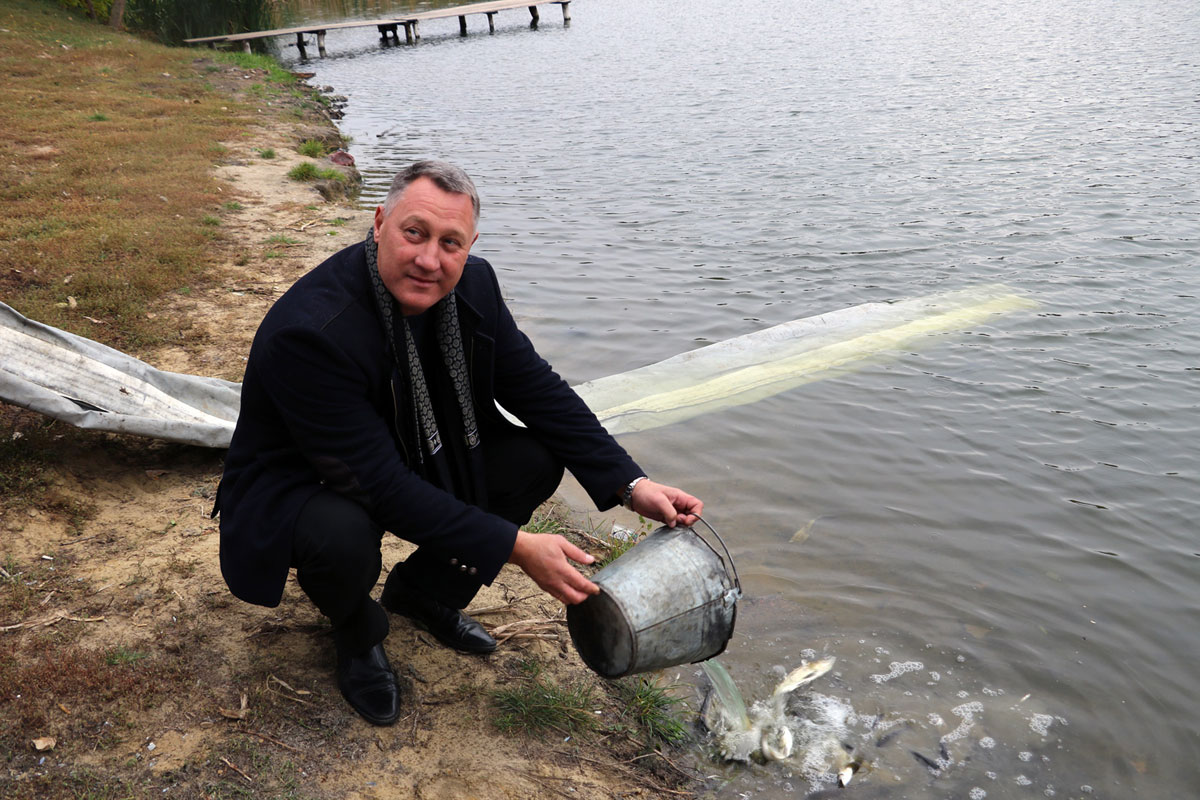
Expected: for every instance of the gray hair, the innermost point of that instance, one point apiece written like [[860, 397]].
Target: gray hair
[[445, 176]]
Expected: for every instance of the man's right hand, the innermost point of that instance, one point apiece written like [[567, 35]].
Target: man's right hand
[[544, 557]]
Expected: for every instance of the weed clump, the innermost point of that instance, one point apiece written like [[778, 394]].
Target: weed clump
[[311, 148], [655, 711], [308, 171], [538, 704]]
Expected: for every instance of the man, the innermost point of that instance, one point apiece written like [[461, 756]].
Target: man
[[369, 405]]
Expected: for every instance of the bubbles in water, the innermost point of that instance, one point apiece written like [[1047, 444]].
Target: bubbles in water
[[966, 712], [936, 720], [1025, 755], [987, 743], [977, 793], [1086, 789], [1040, 723], [935, 676], [1023, 781], [898, 668]]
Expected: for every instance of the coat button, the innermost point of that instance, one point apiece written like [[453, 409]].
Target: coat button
[[454, 562], [472, 571], [462, 568]]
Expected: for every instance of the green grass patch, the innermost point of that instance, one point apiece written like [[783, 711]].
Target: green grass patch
[[249, 61], [308, 171], [266, 152], [311, 148], [119, 656], [232, 205], [537, 704], [209, 219], [304, 171], [281, 238], [655, 711]]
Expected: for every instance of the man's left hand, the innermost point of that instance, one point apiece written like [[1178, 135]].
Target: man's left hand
[[666, 504]]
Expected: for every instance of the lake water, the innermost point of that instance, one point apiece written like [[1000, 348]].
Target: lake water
[[998, 528]]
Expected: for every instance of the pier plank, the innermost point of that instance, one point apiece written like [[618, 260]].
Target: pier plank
[[409, 21]]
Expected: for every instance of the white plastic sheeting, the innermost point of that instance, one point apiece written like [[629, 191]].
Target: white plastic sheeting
[[92, 386], [760, 364]]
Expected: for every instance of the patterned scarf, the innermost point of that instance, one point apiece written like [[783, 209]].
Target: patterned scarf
[[449, 341]]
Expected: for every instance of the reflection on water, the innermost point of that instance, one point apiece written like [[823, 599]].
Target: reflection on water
[[999, 525]]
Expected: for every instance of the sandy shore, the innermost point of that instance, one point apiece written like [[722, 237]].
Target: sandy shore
[[232, 699]]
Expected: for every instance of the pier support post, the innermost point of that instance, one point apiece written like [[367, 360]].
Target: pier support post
[[321, 43], [462, 24], [491, 21], [389, 29], [416, 29], [533, 12], [300, 45], [408, 31], [566, 7]]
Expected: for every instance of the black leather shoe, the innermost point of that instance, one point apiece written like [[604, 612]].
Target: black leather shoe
[[448, 625], [369, 685]]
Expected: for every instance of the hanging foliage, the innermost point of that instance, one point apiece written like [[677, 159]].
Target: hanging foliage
[[172, 21], [175, 20]]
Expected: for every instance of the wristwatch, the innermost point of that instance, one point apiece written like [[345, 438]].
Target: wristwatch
[[627, 492]]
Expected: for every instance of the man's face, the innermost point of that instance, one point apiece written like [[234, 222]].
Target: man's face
[[423, 244]]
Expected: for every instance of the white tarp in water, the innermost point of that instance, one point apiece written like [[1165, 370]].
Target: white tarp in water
[[760, 364], [92, 386]]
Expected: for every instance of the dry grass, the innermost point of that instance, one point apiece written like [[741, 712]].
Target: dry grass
[[108, 197]]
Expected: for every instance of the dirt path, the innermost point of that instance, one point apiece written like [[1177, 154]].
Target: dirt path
[[121, 643]]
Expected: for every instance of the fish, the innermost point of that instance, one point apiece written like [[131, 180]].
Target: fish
[[760, 732], [933, 766], [803, 674]]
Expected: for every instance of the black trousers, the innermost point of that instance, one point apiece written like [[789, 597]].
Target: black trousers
[[336, 549]]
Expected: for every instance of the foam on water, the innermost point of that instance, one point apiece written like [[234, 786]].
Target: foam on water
[[898, 668]]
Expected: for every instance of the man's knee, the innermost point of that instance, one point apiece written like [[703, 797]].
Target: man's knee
[[522, 474], [337, 541]]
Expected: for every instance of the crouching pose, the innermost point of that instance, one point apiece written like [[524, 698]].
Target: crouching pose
[[369, 405]]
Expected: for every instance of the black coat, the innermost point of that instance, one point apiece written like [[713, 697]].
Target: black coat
[[321, 406]]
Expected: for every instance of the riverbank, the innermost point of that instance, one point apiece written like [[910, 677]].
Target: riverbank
[[128, 670]]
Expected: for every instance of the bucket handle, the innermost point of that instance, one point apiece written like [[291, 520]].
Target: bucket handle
[[729, 558]]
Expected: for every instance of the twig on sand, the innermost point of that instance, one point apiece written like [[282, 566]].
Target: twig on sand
[[474, 612], [233, 767], [270, 739], [524, 625], [286, 686], [623, 767], [548, 636], [542, 628], [57, 616]]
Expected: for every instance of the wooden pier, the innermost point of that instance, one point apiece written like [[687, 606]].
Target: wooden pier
[[390, 26]]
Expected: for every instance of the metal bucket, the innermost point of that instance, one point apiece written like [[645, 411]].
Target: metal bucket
[[668, 600]]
